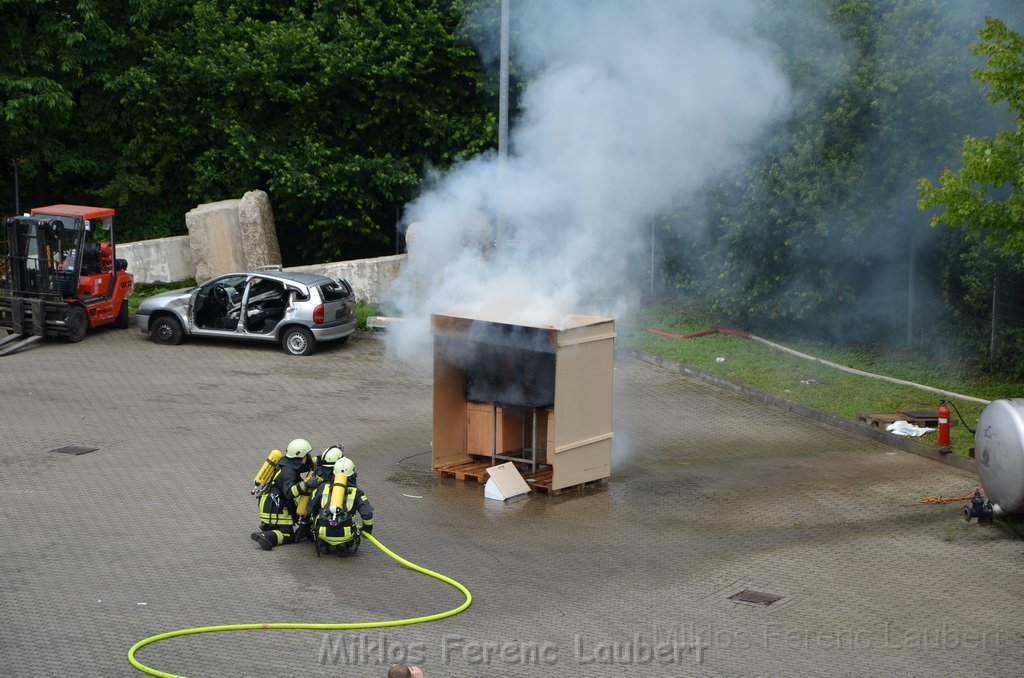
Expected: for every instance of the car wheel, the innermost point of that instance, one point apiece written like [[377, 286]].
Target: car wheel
[[166, 330], [77, 322], [122, 317], [298, 341]]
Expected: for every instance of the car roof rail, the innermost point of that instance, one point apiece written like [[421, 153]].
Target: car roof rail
[[269, 267]]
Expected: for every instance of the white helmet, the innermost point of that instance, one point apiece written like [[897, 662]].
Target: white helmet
[[299, 447], [332, 454], [345, 467]]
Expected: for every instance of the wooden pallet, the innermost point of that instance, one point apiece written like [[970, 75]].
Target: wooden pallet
[[915, 417], [925, 418], [476, 469], [465, 470], [539, 480], [880, 419]]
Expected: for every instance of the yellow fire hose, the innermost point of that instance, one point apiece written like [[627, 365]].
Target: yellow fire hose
[[316, 627]]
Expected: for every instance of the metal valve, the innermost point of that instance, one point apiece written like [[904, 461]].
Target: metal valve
[[980, 508]]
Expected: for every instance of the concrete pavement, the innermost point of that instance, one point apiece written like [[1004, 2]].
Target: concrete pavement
[[713, 494]]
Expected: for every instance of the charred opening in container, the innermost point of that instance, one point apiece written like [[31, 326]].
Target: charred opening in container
[[503, 375]]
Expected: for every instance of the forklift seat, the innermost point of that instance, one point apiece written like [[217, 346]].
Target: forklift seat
[[91, 258]]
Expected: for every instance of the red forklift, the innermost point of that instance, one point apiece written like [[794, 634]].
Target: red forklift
[[59, 276]]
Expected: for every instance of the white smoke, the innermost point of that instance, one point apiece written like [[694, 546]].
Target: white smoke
[[630, 108]]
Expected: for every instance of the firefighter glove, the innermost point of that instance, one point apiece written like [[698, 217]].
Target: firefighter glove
[[310, 483]]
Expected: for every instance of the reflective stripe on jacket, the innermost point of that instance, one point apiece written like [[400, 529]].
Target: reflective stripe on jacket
[[276, 504]]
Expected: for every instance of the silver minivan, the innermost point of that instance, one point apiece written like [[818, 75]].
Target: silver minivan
[[297, 310]]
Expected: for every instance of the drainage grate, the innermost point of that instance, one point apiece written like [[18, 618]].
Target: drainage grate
[[75, 450], [756, 597]]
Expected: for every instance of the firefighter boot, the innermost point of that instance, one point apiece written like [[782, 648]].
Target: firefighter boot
[[265, 541]]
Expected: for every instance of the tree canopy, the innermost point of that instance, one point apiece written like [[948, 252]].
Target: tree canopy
[[334, 107], [829, 204], [339, 108], [986, 197]]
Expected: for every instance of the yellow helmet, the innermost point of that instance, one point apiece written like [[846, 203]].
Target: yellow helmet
[[299, 447], [345, 467]]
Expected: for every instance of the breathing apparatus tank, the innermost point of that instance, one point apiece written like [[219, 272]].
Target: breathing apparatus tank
[[336, 505], [266, 472]]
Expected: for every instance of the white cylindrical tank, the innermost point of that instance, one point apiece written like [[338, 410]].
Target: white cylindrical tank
[[999, 450]]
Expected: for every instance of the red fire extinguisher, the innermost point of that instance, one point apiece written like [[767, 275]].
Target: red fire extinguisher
[[943, 424]]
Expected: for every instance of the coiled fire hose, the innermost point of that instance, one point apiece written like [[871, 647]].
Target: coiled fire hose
[[315, 627]]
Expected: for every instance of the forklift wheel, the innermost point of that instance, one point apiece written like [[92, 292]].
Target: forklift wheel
[[122, 317], [77, 323]]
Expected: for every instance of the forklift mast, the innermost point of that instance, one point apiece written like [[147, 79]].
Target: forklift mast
[[49, 250], [37, 248]]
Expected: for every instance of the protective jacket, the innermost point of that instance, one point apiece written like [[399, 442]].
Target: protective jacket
[[340, 529], [278, 504]]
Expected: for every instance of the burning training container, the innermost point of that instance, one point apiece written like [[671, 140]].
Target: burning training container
[[539, 395]]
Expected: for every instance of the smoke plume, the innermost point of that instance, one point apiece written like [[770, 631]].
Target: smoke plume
[[629, 109]]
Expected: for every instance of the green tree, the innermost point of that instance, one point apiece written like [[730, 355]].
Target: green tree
[[830, 208], [50, 78], [334, 108], [803, 207], [985, 197], [983, 289]]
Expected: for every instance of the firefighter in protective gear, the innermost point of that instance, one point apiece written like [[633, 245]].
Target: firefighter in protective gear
[[334, 505], [348, 468], [323, 464], [283, 505], [299, 447], [326, 461]]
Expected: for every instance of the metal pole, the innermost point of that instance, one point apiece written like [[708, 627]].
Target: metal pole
[[494, 432], [652, 258], [503, 84], [17, 197], [502, 117], [992, 336], [910, 293], [533, 443]]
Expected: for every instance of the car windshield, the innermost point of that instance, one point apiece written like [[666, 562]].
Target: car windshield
[[335, 291]]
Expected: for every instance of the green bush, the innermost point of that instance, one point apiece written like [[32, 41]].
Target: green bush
[[365, 309]]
